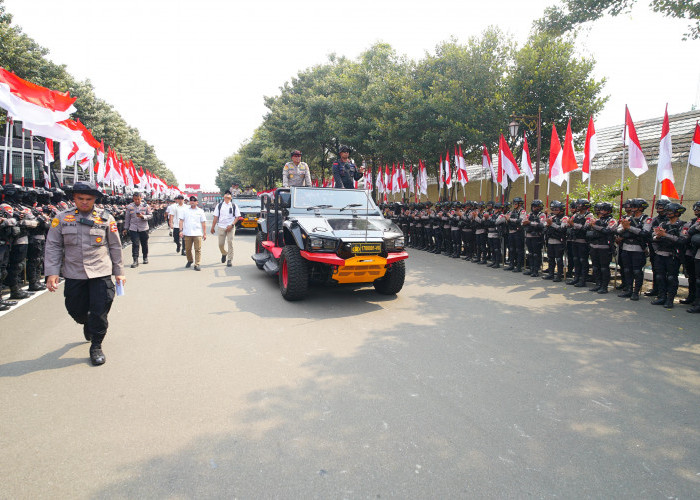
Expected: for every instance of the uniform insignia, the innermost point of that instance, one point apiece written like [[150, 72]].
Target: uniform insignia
[[649, 220], [113, 227], [55, 222], [611, 222], [98, 220], [291, 175], [98, 240], [69, 218]]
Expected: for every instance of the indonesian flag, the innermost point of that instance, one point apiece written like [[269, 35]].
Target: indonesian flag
[[422, 178], [314, 183], [100, 167], [506, 162], [33, 103], [55, 131], [486, 163], [402, 177], [590, 149], [448, 171], [442, 176], [380, 181], [556, 174], [411, 181], [388, 186], [462, 176], [526, 162], [664, 170], [637, 162], [368, 180], [395, 180], [568, 161], [694, 156], [48, 152]]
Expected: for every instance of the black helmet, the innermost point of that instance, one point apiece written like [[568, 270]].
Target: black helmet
[[661, 204], [583, 203], [344, 149], [296, 152], [556, 205], [518, 199], [696, 206], [498, 205], [536, 203], [675, 208], [639, 203], [604, 206]]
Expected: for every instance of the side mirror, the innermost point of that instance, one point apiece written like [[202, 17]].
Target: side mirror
[[285, 200]]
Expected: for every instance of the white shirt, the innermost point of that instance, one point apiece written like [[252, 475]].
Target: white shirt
[[172, 210], [229, 212], [192, 221]]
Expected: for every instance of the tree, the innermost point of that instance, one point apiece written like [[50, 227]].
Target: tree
[[564, 18]]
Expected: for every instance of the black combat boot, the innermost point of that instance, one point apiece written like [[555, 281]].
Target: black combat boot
[[135, 263], [36, 286], [669, 301], [97, 357], [17, 293]]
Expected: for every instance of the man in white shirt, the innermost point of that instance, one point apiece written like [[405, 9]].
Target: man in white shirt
[[193, 224], [174, 211], [226, 215]]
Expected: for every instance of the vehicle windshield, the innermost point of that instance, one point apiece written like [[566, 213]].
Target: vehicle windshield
[[332, 200], [247, 204]]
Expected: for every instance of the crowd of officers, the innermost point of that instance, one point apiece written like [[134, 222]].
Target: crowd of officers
[[25, 218], [589, 238]]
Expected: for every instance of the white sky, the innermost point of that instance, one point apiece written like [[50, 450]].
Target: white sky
[[175, 68]]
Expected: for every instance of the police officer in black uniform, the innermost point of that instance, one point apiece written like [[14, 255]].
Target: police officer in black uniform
[[689, 267], [660, 216], [555, 234], [693, 234], [578, 225], [669, 244], [516, 239], [344, 171], [600, 236], [20, 242], [534, 229], [636, 234]]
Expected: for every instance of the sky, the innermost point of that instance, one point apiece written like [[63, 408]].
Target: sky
[[191, 75]]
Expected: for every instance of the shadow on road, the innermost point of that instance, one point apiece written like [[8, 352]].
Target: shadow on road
[[50, 361]]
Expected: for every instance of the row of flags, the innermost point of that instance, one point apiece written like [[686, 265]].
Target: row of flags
[[46, 113]]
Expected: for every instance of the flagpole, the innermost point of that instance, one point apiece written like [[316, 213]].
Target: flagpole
[[622, 175], [31, 155], [590, 172], [7, 140], [687, 168], [653, 197]]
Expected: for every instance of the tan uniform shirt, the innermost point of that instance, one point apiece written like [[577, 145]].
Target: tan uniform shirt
[[85, 251], [296, 175], [132, 222]]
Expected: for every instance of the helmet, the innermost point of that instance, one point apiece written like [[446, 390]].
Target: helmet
[[344, 149], [675, 208], [518, 199], [583, 203], [696, 206], [296, 152], [536, 203], [639, 203], [556, 205], [604, 206], [661, 204], [489, 203]]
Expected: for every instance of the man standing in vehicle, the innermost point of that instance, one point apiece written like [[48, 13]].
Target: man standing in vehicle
[[345, 173], [296, 172]]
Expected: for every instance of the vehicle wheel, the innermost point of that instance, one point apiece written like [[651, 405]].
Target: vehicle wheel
[[293, 274], [258, 247], [392, 282]]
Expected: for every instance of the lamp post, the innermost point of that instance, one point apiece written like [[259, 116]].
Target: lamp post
[[532, 122]]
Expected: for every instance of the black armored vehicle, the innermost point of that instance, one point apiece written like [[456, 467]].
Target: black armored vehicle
[[328, 236]]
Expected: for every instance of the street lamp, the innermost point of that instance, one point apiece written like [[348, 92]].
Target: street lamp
[[532, 122]]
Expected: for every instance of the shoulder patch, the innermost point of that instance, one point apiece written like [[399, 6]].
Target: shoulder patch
[[113, 227], [55, 222], [69, 218]]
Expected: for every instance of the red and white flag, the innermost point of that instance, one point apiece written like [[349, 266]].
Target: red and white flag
[[448, 171], [526, 162], [368, 179], [590, 149], [462, 176], [664, 170], [33, 103], [395, 179], [422, 178], [506, 163], [568, 160], [694, 156], [403, 180], [411, 181], [556, 173], [487, 164], [380, 181], [637, 162], [442, 176], [48, 152]]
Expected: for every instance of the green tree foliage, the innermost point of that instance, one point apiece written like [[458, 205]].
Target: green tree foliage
[[600, 193], [563, 18], [20, 54]]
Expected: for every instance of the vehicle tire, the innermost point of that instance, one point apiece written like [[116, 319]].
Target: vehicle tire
[[392, 282], [293, 274], [259, 248]]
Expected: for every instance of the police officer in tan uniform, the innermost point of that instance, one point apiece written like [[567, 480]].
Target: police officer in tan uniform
[[296, 172], [84, 243]]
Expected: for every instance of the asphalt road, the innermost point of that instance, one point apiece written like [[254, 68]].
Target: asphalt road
[[471, 383]]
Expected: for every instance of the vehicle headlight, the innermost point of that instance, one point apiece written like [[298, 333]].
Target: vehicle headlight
[[395, 244], [316, 243]]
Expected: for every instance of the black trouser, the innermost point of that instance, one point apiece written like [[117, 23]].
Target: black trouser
[[176, 237], [581, 251], [437, 233], [456, 241], [4, 260], [555, 256], [697, 280], [534, 248], [446, 240], [495, 247], [600, 261], [666, 277], [468, 243], [691, 269], [88, 302], [15, 266], [480, 244], [136, 237], [633, 263], [570, 259], [35, 259], [652, 261], [516, 249]]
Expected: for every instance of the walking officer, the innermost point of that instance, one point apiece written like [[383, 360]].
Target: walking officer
[[296, 172], [84, 243], [138, 213]]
